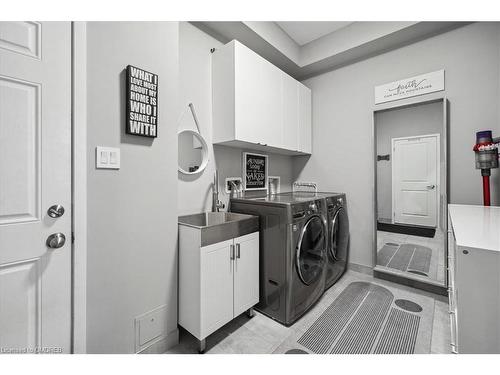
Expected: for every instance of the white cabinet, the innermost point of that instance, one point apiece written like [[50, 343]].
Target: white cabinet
[[217, 282], [246, 273], [305, 128], [256, 105], [474, 278], [290, 113], [257, 92], [216, 287]]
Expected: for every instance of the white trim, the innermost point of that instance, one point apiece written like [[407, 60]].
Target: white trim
[[438, 172], [79, 186]]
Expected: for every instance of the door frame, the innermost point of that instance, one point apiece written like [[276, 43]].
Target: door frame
[[438, 169], [428, 285], [79, 186]]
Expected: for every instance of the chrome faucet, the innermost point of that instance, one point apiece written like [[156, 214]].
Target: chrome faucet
[[216, 203]]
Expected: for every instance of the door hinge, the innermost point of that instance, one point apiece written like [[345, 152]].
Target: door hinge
[[72, 237]]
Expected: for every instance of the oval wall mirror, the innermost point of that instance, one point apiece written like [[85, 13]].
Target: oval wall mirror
[[193, 152]]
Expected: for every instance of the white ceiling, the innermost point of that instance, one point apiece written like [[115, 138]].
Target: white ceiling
[[304, 32]]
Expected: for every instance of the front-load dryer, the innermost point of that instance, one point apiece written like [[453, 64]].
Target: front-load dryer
[[293, 253], [338, 236]]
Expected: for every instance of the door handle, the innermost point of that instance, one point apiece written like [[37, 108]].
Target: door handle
[[431, 187], [56, 240], [231, 252], [238, 253], [55, 211]]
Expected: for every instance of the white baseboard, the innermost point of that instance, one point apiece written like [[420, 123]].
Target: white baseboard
[[164, 343], [360, 268]]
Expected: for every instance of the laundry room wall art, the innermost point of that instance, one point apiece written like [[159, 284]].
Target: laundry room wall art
[[142, 102], [255, 173]]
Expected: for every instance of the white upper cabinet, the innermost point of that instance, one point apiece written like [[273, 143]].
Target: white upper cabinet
[[290, 113], [305, 117], [256, 105]]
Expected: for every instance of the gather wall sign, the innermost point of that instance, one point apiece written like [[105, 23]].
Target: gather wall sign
[[409, 87]]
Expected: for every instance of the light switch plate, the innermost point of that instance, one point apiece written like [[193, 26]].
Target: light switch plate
[[107, 157]]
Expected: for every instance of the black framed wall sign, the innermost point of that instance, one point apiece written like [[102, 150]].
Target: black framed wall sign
[[255, 173], [142, 102]]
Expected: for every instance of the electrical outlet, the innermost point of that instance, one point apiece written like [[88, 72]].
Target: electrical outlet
[[236, 180]]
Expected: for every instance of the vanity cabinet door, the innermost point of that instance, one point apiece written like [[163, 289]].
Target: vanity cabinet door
[[246, 272], [216, 283]]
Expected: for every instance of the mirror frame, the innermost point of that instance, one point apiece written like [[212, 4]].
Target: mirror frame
[[410, 280], [204, 151]]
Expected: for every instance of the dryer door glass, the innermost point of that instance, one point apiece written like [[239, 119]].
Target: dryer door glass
[[333, 233], [311, 251], [341, 235]]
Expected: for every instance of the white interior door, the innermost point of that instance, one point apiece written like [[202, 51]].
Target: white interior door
[[415, 176], [35, 174]]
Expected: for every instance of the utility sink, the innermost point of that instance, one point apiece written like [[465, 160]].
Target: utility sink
[[220, 226]]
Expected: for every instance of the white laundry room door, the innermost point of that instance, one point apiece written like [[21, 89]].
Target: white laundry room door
[[35, 187], [415, 176]]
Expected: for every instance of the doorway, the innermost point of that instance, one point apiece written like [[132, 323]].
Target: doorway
[[415, 176], [35, 187], [410, 193]]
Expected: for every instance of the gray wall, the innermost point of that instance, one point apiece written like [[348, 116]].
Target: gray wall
[[343, 102], [195, 191], [405, 122], [132, 229]]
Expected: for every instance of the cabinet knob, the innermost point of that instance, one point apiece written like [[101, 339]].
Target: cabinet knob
[[465, 252]]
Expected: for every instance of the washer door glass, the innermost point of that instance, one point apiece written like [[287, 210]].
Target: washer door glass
[[311, 251]]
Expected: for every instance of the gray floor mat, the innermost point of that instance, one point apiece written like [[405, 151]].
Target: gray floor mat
[[421, 261], [407, 257], [363, 319], [385, 254], [401, 258]]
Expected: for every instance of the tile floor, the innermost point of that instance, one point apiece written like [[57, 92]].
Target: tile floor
[[437, 244], [262, 335]]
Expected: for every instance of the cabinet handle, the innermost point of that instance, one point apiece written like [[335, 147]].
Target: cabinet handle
[[231, 252], [238, 254]]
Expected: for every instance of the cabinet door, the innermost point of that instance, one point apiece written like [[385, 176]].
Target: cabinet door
[[257, 98], [216, 285], [246, 272], [305, 128], [290, 113]]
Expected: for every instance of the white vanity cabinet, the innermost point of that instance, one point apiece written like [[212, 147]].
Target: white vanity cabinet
[[217, 282], [474, 278], [256, 105]]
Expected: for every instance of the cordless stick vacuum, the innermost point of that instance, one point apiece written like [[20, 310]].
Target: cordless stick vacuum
[[486, 149]]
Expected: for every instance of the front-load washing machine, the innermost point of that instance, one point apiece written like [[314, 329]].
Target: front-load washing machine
[[293, 252]]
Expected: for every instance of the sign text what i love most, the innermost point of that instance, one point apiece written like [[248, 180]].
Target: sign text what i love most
[[142, 102]]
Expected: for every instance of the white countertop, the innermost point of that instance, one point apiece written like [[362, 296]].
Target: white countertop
[[476, 226]]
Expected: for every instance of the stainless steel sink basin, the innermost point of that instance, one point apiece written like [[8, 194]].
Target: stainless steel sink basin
[[220, 226], [208, 219]]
